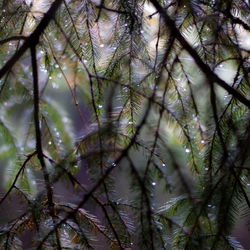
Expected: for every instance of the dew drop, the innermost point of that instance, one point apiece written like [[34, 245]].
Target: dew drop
[[113, 164], [100, 106], [153, 183], [65, 119], [206, 169], [163, 164], [102, 45], [49, 142], [54, 85], [202, 141], [187, 150], [85, 61]]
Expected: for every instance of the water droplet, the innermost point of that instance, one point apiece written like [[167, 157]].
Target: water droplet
[[202, 141], [102, 45], [142, 31], [209, 205], [187, 150], [130, 123], [113, 164], [50, 77], [125, 24], [131, 243], [163, 164], [153, 183], [85, 61], [221, 66], [57, 133], [57, 66], [100, 106], [54, 85], [49, 142], [206, 169], [65, 119], [248, 184]]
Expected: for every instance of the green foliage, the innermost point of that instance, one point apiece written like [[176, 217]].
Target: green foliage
[[161, 162]]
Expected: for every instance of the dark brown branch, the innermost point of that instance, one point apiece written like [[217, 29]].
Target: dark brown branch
[[12, 38], [39, 140]]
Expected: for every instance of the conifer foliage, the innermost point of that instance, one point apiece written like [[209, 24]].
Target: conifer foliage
[[165, 154]]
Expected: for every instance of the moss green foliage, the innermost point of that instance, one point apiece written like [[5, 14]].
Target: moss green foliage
[[123, 124]]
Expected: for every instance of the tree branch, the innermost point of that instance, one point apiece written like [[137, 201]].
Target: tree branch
[[17, 175], [33, 39], [39, 141], [211, 76]]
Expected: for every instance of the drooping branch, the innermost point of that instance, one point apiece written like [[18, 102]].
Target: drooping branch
[[211, 76], [39, 140]]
